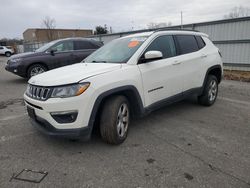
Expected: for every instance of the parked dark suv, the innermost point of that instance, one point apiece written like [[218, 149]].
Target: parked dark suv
[[55, 54]]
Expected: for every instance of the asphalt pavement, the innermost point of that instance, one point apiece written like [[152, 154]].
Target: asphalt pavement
[[181, 145]]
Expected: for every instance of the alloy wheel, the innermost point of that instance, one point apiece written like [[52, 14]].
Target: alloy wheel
[[122, 120]]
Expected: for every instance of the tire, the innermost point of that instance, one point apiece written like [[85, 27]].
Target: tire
[[210, 92], [114, 121], [7, 54], [35, 70]]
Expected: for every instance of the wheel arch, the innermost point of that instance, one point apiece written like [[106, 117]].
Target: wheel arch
[[215, 70], [129, 91], [7, 52]]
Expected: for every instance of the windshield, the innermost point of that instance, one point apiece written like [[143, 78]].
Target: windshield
[[116, 51], [46, 46]]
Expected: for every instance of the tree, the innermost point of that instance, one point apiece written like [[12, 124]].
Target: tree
[[154, 25], [100, 30], [237, 12], [49, 24]]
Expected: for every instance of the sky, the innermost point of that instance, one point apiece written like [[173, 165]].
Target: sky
[[123, 15]]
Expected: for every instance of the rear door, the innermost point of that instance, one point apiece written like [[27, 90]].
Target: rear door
[[160, 77], [83, 48], [191, 60]]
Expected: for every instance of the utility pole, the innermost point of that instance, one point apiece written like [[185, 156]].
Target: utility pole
[[181, 21], [132, 23]]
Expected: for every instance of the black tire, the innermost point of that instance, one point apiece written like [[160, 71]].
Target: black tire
[[7, 54], [31, 70], [111, 121], [210, 92]]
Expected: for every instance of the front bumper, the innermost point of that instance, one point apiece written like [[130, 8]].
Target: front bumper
[[46, 128], [16, 70], [44, 121]]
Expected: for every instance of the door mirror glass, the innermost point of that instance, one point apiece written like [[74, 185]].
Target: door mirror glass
[[153, 55], [52, 51]]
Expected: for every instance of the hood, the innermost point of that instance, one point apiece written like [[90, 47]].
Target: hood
[[72, 74], [25, 55]]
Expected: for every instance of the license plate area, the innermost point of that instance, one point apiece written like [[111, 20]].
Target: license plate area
[[31, 112]]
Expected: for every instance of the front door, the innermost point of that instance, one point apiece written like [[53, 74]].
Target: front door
[[63, 54], [160, 77]]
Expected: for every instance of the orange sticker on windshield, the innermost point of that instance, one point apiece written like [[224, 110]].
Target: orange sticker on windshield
[[133, 44]]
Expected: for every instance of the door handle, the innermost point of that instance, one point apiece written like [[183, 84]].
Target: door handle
[[176, 63], [203, 56]]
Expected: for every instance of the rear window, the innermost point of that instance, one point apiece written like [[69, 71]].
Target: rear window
[[200, 42], [83, 45], [187, 43]]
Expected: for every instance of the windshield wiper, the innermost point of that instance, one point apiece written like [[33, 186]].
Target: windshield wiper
[[98, 61]]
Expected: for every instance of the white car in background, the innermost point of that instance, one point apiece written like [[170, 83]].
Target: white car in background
[[128, 77], [6, 50]]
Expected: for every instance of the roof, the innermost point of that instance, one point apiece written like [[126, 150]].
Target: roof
[[172, 31], [140, 34], [79, 38]]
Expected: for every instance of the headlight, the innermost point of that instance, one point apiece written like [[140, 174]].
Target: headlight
[[70, 90]]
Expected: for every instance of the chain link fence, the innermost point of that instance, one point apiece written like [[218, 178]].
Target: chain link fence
[[31, 47]]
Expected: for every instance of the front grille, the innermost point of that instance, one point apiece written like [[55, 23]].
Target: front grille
[[38, 92]]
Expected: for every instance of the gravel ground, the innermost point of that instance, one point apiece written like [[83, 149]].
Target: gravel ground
[[182, 145]]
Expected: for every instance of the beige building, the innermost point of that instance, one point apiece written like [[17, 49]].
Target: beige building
[[46, 35]]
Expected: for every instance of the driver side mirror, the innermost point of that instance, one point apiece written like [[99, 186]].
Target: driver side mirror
[[52, 52], [151, 56]]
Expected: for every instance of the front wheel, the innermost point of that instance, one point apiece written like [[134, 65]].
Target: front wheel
[[35, 70], [115, 118], [210, 92], [7, 54]]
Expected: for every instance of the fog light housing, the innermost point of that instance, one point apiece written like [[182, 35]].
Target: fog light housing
[[64, 117]]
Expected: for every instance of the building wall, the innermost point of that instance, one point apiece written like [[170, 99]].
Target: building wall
[[41, 35], [231, 36], [237, 30], [29, 35]]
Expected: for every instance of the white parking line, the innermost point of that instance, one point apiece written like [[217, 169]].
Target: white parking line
[[13, 117]]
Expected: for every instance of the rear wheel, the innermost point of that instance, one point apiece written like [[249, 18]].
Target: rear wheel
[[7, 54], [210, 92], [35, 70], [114, 122]]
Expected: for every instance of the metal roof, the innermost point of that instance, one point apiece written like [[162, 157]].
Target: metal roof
[[178, 27]]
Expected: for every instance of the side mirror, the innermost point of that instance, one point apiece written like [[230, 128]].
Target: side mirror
[[52, 52], [153, 55], [150, 56]]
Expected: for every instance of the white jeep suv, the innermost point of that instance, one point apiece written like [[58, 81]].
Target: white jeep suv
[[6, 50], [128, 77]]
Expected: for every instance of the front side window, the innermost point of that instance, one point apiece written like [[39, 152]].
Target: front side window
[[63, 46], [1, 48], [46, 46], [164, 44], [116, 51], [187, 43]]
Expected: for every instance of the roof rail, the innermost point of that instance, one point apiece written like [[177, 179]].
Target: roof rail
[[175, 29]]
